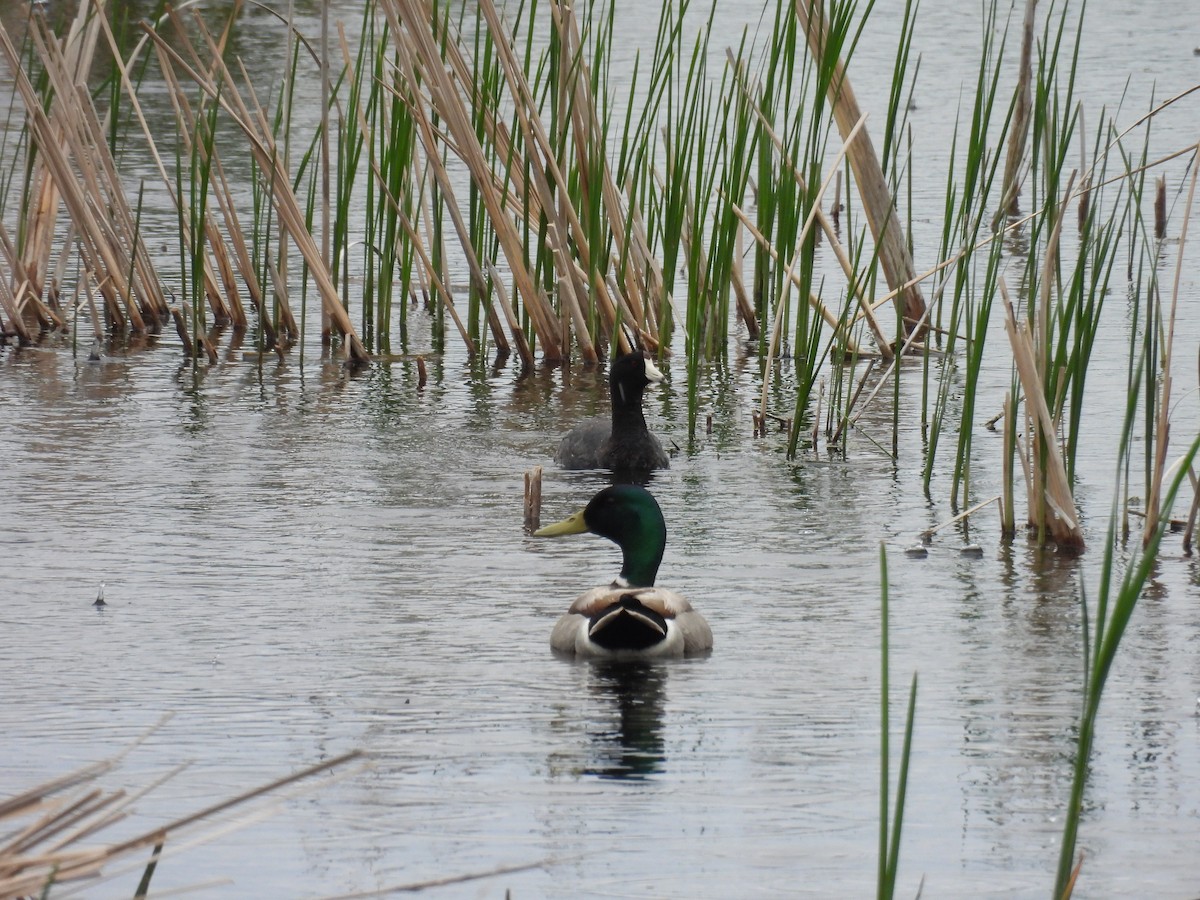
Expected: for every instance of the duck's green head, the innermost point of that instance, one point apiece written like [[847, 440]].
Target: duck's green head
[[629, 516]]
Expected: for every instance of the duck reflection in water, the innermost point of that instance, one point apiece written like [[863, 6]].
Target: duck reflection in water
[[629, 746]]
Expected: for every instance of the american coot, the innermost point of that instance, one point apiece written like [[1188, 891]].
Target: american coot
[[620, 442], [631, 618]]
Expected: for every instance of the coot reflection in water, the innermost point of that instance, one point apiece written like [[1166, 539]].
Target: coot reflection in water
[[628, 746]]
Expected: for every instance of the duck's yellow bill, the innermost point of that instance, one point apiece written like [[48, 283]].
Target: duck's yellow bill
[[570, 525]]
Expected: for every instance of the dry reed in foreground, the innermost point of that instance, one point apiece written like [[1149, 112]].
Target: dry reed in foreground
[[50, 834]]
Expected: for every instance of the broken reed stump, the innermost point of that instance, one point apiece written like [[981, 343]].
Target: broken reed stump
[[189, 347], [1018, 134], [422, 375], [1008, 516], [533, 498], [1052, 505]]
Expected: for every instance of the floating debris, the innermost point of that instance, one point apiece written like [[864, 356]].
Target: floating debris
[[917, 551], [99, 601]]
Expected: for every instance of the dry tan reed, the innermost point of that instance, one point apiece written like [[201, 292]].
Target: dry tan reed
[[1014, 163], [1051, 503], [76, 167], [247, 114], [878, 205], [51, 830]]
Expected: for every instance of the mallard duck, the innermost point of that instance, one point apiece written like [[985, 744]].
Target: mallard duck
[[621, 441], [631, 617]]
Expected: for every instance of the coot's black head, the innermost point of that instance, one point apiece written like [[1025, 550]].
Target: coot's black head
[[629, 376]]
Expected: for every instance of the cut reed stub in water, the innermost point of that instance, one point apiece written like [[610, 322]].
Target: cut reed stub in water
[[422, 375], [533, 498]]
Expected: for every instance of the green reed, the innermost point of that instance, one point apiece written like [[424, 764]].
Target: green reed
[[796, 235], [588, 186], [736, 147], [487, 84], [395, 151], [194, 232], [966, 214], [778, 86], [1065, 299], [351, 140], [281, 133], [686, 129], [889, 833], [1142, 279], [1102, 636], [830, 57]]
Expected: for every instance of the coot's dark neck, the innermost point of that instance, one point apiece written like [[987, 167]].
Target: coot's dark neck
[[627, 407]]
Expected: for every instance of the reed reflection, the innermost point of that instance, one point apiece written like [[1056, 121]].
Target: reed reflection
[[629, 746]]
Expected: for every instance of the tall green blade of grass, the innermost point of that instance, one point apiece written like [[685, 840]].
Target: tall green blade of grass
[[1143, 287], [963, 228], [776, 104], [841, 36], [396, 155], [199, 174], [1112, 618], [486, 84], [739, 136], [889, 834], [350, 144], [687, 127]]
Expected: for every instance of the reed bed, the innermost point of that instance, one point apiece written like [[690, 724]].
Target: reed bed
[[487, 151], [483, 164]]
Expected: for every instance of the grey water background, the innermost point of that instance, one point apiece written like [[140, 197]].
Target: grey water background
[[299, 562]]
